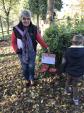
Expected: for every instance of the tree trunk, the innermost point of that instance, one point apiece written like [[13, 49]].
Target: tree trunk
[[50, 11], [2, 28], [7, 20]]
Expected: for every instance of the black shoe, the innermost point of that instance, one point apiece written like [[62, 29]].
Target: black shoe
[[28, 84]]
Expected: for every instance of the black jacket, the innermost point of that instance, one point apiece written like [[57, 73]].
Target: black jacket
[[73, 63]]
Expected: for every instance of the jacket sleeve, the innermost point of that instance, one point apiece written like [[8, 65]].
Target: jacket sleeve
[[14, 41], [40, 40]]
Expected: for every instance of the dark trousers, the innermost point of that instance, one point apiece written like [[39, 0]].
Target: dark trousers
[[28, 69], [73, 81]]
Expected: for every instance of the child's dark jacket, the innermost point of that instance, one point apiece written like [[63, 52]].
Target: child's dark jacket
[[73, 63]]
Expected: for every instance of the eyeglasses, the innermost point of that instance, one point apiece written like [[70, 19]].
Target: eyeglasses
[[25, 18]]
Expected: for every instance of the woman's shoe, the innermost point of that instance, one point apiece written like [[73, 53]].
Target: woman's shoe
[[27, 83], [32, 83]]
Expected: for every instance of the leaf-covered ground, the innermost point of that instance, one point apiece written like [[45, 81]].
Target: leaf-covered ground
[[46, 97]]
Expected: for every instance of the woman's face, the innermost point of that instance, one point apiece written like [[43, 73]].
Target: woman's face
[[26, 21]]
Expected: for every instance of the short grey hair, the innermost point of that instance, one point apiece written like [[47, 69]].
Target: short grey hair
[[26, 13], [78, 39]]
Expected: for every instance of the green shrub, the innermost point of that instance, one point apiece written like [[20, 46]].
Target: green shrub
[[51, 36], [79, 28], [58, 38]]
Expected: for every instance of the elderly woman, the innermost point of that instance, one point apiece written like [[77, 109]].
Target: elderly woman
[[25, 37]]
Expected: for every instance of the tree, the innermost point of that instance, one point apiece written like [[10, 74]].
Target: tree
[[39, 7], [53, 4], [1, 27], [6, 7]]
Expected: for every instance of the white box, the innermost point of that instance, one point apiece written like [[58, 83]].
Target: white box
[[48, 58]]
